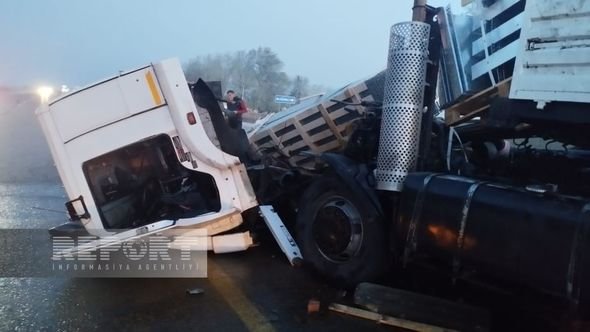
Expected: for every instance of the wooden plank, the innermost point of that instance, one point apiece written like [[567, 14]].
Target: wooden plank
[[504, 87], [307, 113], [308, 141], [334, 145], [481, 98], [383, 319], [355, 98], [451, 117], [275, 139], [330, 122], [420, 308], [321, 135], [464, 118], [358, 89], [295, 146], [316, 128]]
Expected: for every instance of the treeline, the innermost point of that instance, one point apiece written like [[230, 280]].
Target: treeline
[[257, 75]]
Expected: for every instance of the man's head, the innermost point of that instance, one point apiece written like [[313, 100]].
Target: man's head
[[229, 95]]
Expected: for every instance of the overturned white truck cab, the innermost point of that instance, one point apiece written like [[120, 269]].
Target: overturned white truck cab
[[135, 159]]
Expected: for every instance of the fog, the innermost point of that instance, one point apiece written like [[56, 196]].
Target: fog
[[24, 154], [78, 42], [331, 42]]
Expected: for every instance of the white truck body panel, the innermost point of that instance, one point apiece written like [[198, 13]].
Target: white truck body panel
[[553, 60], [105, 103]]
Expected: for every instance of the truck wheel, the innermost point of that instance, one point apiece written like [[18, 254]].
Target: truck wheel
[[337, 235]]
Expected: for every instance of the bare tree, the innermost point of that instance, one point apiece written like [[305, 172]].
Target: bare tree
[[299, 86], [256, 74], [243, 74]]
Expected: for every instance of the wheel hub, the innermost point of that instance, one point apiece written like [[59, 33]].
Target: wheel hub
[[337, 230]]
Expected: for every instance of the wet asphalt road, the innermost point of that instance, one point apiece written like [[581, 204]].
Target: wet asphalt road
[[252, 290], [255, 290]]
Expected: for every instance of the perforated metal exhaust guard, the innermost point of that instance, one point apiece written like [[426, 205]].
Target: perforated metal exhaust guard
[[403, 104]]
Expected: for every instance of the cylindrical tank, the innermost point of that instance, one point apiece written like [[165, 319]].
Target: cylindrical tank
[[403, 101], [537, 239]]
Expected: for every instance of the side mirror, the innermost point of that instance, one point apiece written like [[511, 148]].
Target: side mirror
[[73, 212]]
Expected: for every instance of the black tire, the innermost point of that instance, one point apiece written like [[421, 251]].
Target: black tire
[[344, 254]]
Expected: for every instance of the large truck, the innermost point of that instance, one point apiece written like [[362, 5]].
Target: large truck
[[135, 159], [497, 189]]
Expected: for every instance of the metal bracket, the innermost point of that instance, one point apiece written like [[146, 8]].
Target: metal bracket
[[463, 225], [73, 213], [411, 241], [281, 234]]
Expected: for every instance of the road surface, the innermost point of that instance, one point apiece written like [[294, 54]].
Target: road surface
[[256, 290]]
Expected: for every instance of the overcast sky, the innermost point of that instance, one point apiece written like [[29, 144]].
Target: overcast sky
[[73, 42]]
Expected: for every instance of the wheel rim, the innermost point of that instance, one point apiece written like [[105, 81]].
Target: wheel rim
[[337, 230]]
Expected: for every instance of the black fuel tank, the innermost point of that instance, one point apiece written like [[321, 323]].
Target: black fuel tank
[[537, 239]]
